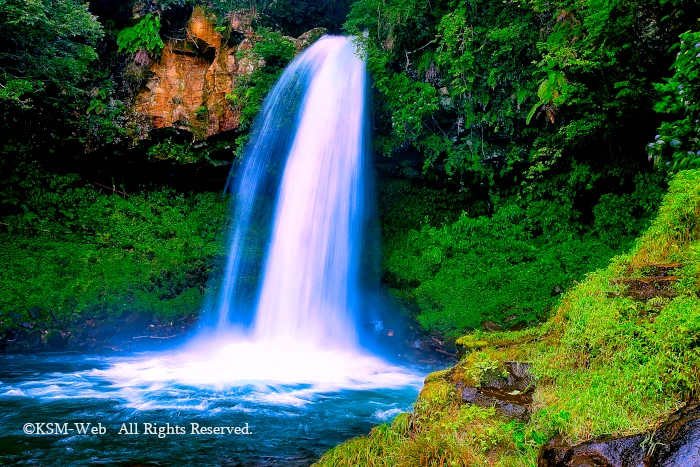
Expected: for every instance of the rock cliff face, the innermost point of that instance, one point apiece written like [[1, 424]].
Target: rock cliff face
[[188, 85]]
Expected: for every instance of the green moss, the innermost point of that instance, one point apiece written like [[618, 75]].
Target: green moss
[[273, 50], [480, 340], [376, 450], [144, 35], [436, 376], [618, 365]]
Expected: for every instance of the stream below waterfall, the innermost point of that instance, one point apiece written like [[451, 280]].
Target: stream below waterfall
[[290, 423]]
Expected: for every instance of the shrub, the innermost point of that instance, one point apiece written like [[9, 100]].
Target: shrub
[[144, 35]]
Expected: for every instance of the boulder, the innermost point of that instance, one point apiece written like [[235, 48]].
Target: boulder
[[509, 390]]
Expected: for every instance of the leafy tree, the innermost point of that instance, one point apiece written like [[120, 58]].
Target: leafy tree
[[454, 76], [298, 16], [538, 111], [678, 141], [46, 46], [547, 99]]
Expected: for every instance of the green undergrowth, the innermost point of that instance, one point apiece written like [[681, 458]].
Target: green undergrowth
[[512, 265], [606, 363], [77, 252]]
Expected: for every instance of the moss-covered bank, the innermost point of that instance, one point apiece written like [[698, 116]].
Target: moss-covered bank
[[618, 355], [80, 253]]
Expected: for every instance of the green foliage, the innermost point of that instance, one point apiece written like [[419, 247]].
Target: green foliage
[[441, 433], [585, 42], [512, 264], [171, 150], [275, 51], [75, 252], [295, 17], [202, 113], [104, 120], [404, 206], [544, 99], [144, 35], [292, 17], [602, 336], [677, 223], [452, 78], [508, 272], [46, 48], [534, 111], [614, 220], [678, 141]]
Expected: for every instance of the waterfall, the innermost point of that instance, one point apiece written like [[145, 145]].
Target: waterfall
[[285, 313], [306, 158]]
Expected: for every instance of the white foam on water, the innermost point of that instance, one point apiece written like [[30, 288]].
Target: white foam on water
[[388, 414], [208, 373], [270, 372], [14, 393]]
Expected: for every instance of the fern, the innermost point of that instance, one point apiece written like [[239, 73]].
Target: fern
[[144, 35]]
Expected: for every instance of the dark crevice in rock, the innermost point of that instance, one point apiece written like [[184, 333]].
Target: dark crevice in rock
[[235, 38], [676, 443]]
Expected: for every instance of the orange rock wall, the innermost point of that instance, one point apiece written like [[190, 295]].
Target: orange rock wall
[[189, 82]]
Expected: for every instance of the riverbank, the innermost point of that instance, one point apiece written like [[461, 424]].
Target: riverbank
[[617, 358]]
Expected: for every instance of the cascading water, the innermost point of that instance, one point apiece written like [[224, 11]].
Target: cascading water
[[309, 290], [310, 285]]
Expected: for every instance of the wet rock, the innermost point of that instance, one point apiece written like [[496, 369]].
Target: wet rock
[[56, 340], [474, 396], [135, 323], [676, 443], [517, 377], [491, 326], [519, 326], [509, 390]]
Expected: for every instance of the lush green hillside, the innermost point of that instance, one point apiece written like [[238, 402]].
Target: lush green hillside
[[619, 354], [534, 140], [459, 271]]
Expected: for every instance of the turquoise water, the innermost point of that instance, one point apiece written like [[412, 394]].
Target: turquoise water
[[290, 423]]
